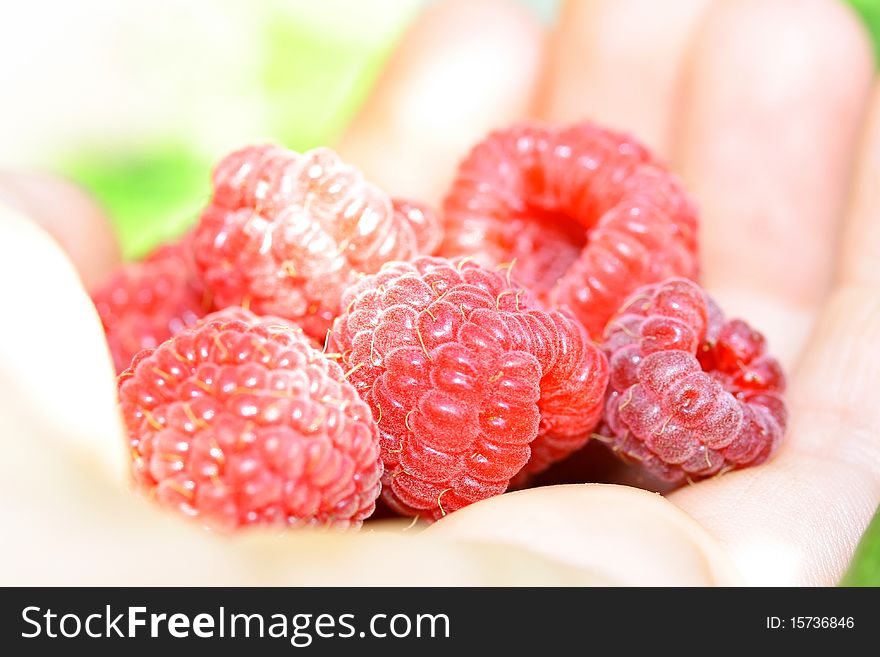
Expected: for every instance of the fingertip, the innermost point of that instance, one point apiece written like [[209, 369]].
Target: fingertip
[[774, 97], [859, 262], [70, 215], [787, 46], [463, 68], [620, 62], [59, 386], [600, 528]]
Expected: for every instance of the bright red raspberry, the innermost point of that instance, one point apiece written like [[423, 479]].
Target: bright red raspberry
[[240, 421], [587, 214], [690, 394], [466, 378], [144, 303], [285, 233]]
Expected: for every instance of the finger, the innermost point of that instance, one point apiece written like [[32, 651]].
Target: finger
[[775, 95], [859, 263], [122, 542], [61, 435], [70, 216], [600, 528], [796, 520], [55, 373], [462, 69], [619, 63], [111, 537]]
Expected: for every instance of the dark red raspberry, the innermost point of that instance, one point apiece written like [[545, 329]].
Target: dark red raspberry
[[690, 394], [466, 378], [285, 233], [144, 303], [240, 421], [587, 214]]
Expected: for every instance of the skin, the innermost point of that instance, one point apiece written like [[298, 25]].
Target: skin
[[766, 108]]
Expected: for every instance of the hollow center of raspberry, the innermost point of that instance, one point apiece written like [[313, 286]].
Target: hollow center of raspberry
[[688, 398], [545, 244]]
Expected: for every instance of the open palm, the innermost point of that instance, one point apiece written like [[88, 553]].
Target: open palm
[[765, 108]]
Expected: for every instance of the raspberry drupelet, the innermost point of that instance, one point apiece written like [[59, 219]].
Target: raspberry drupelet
[[690, 394], [588, 214], [466, 378], [144, 303], [285, 233], [240, 421]]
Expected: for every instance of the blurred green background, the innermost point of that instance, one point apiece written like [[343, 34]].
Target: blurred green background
[[865, 567], [310, 65]]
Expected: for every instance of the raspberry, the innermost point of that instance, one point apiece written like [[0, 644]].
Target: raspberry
[[422, 221], [587, 214], [466, 378], [144, 303], [285, 233], [690, 394], [239, 421]]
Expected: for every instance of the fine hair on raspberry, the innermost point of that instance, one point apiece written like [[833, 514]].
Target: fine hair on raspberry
[[691, 394], [239, 421], [285, 233], [467, 378]]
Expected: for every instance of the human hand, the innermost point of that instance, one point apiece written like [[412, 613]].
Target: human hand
[[756, 104]]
